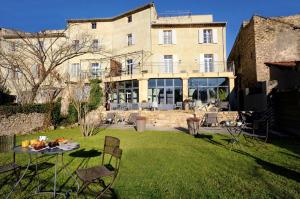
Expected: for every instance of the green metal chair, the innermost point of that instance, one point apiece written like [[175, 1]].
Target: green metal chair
[[97, 174], [7, 143]]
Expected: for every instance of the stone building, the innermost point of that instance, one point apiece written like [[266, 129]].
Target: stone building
[[261, 40], [152, 57]]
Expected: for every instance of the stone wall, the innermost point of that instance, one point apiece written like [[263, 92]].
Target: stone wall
[[243, 54], [275, 42], [21, 123], [264, 40], [174, 118]]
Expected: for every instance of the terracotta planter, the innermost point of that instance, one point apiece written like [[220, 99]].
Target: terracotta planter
[[193, 125], [140, 124]]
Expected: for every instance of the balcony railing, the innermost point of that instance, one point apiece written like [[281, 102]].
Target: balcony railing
[[181, 67], [159, 68]]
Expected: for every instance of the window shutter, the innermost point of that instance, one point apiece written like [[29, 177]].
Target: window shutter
[[133, 38], [216, 63], [70, 70], [126, 40], [215, 36], [200, 36], [174, 38], [160, 37], [201, 62], [162, 66], [175, 63]]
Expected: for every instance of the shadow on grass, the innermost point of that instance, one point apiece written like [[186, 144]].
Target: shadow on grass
[[82, 153], [181, 129], [289, 143], [291, 155], [274, 168], [209, 138]]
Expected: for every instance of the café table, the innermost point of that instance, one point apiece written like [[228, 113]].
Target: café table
[[55, 151]]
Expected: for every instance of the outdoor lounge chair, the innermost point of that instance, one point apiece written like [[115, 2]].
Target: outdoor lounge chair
[[211, 119], [7, 142], [132, 118], [110, 118], [97, 174]]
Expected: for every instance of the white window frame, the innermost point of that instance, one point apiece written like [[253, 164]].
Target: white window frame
[[208, 62], [129, 18], [76, 44], [75, 70], [129, 66], [95, 44], [168, 64], [207, 36], [130, 39], [95, 69], [167, 37], [94, 25]]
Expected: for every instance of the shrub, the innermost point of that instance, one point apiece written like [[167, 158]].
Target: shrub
[[95, 94]]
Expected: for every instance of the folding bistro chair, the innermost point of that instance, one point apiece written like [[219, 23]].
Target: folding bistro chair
[[98, 173], [110, 118], [7, 143], [259, 131], [132, 118], [211, 119]]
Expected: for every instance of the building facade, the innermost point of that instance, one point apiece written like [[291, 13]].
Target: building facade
[[262, 40], [146, 57]]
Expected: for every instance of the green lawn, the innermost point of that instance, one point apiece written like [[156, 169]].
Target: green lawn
[[177, 165]]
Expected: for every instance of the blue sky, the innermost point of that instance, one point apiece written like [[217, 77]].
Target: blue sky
[[35, 15]]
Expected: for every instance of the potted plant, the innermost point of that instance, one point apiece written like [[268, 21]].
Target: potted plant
[[193, 124], [140, 124]]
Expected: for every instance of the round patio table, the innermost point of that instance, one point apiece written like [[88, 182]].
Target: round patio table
[[55, 151]]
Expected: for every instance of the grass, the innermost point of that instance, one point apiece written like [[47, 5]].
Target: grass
[[177, 165]]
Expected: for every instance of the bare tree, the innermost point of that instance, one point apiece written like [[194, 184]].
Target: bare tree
[[79, 95], [32, 58]]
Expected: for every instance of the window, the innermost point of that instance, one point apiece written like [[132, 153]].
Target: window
[[95, 44], [125, 92], [168, 64], [129, 39], [75, 70], [207, 36], [165, 91], [208, 63], [129, 18], [129, 66], [167, 36], [76, 44], [208, 89], [95, 70], [94, 25]]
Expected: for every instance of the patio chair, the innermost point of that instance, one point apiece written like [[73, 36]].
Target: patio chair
[[222, 106], [145, 105], [259, 130], [132, 118], [97, 174], [135, 106], [110, 118], [211, 119], [178, 105], [7, 143]]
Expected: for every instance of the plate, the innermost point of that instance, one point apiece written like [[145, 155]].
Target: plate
[[32, 149]]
